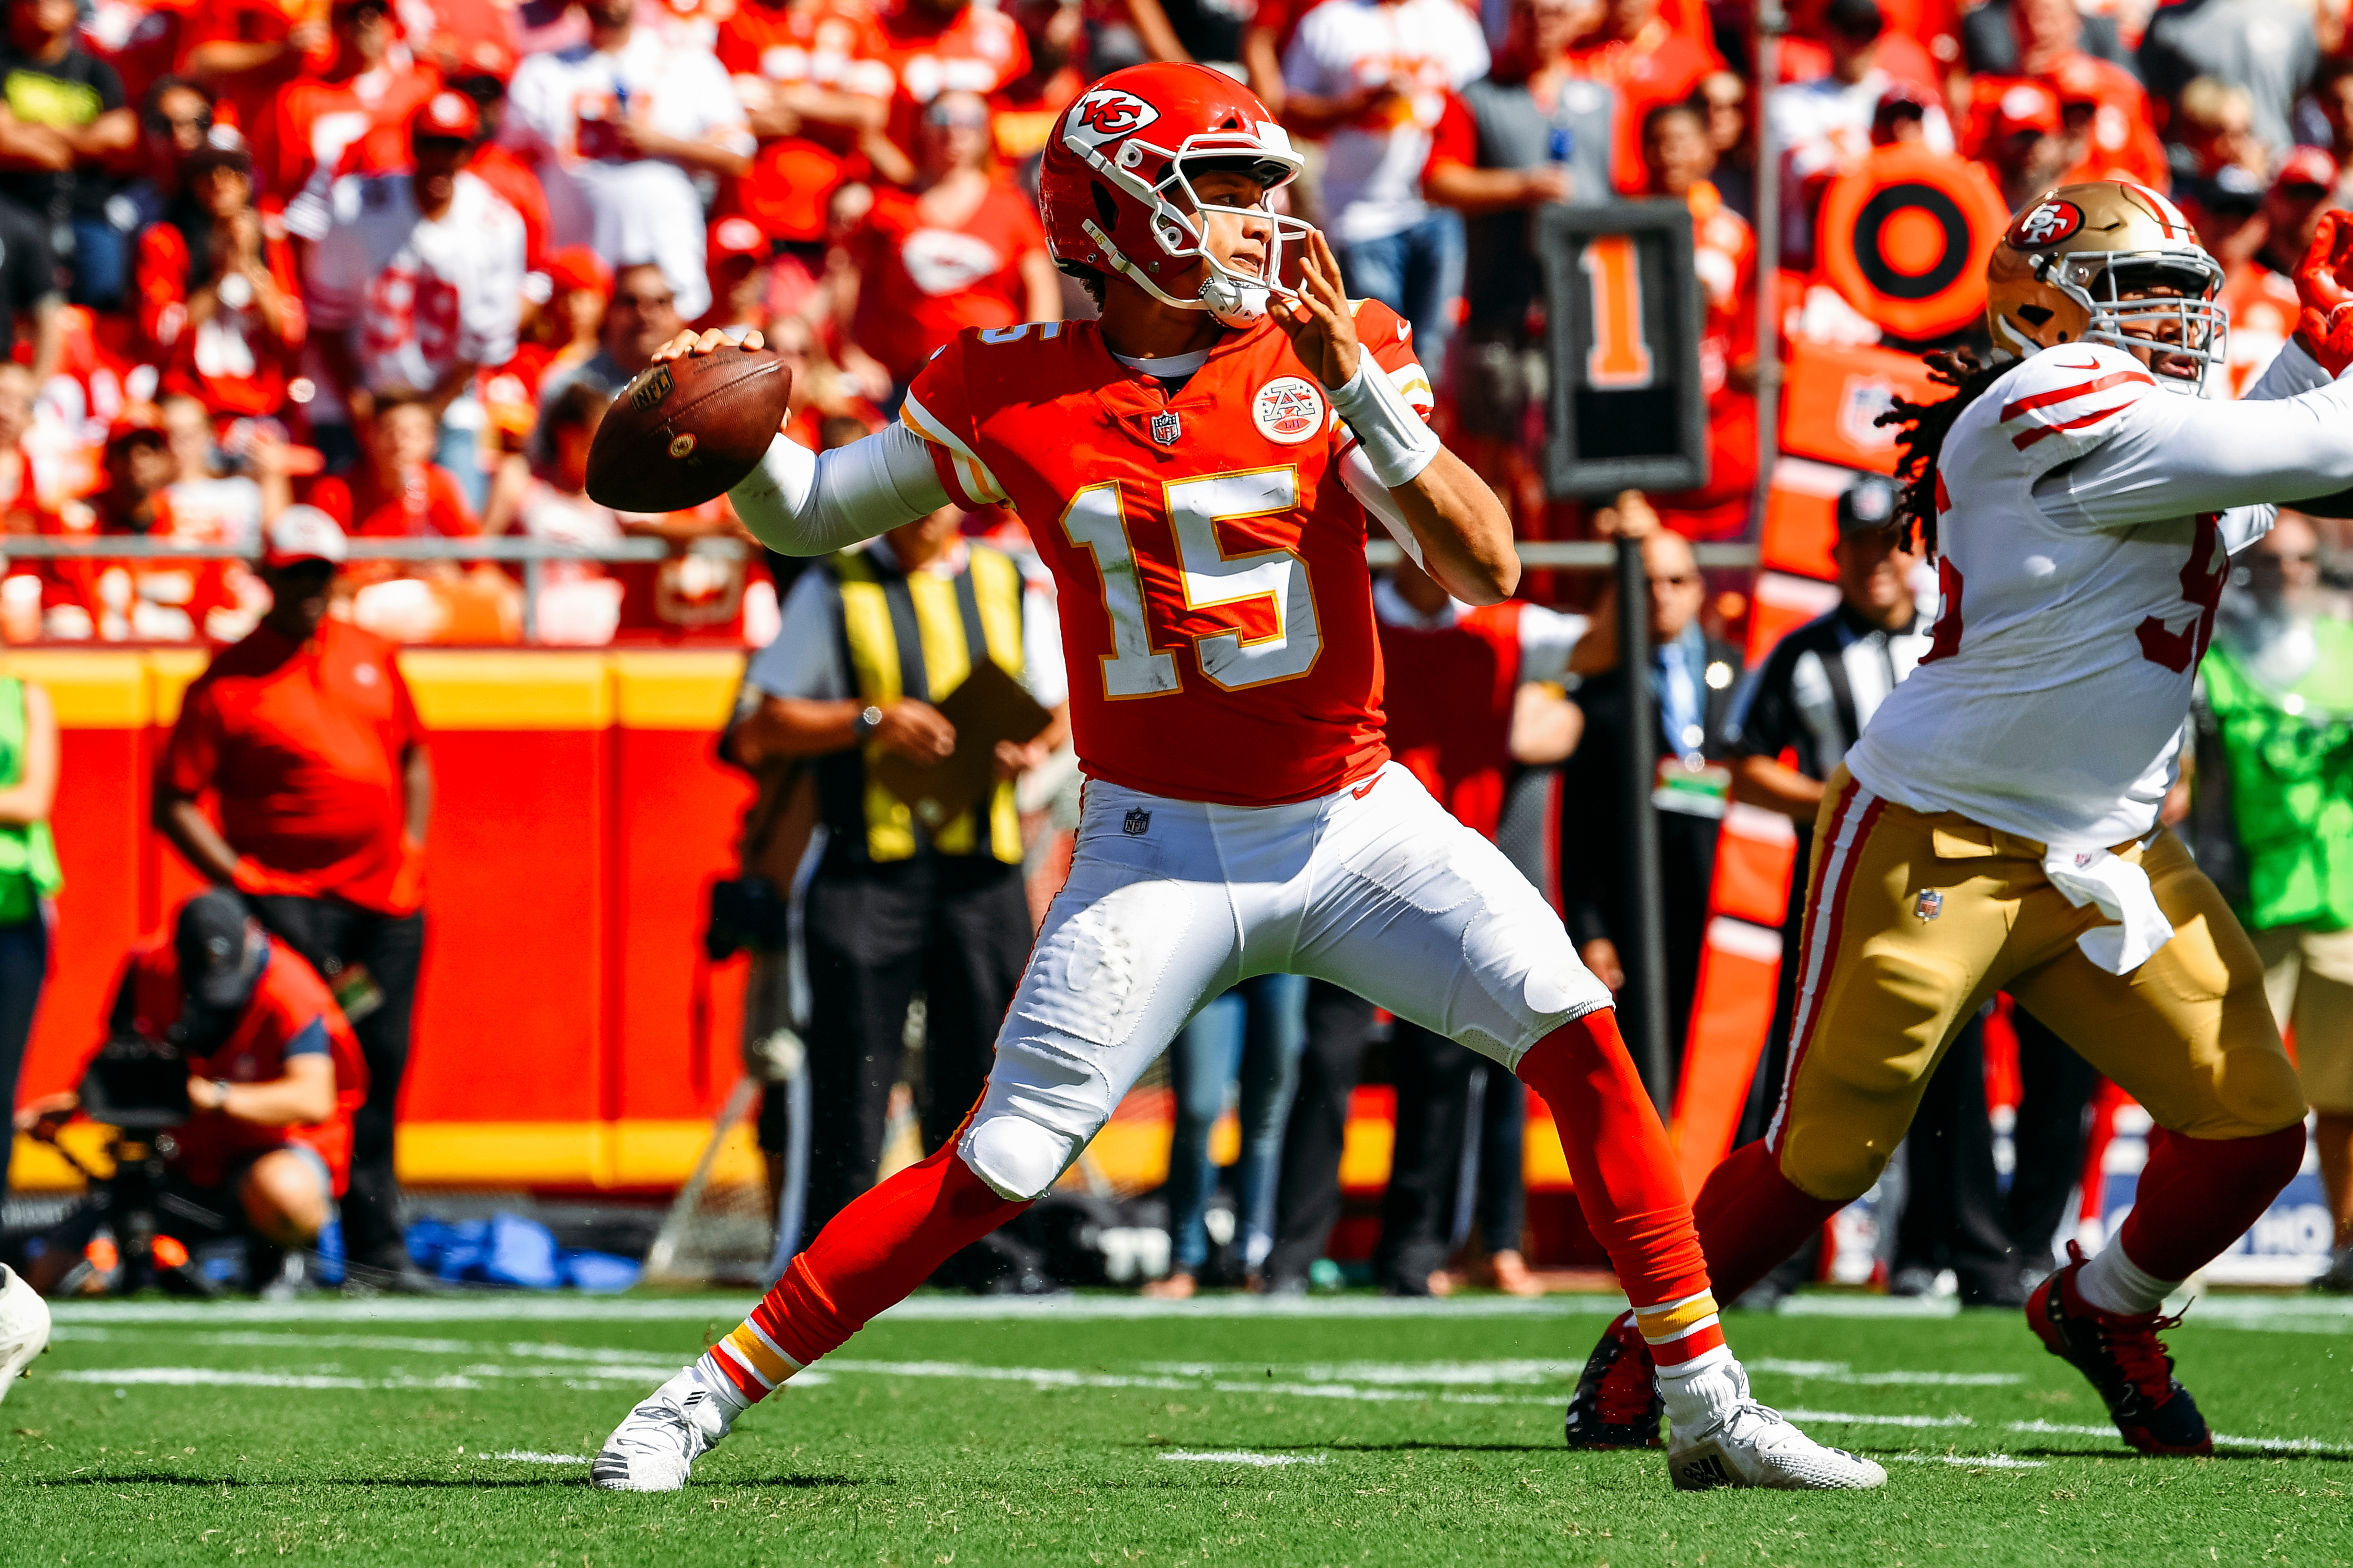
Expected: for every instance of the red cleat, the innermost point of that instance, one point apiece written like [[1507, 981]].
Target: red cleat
[[1617, 1402], [2124, 1359]]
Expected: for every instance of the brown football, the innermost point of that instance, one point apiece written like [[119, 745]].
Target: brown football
[[688, 429]]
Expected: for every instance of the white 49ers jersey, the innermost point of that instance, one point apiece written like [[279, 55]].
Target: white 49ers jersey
[[2085, 519]]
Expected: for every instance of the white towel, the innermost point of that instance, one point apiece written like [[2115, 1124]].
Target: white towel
[[2120, 888]]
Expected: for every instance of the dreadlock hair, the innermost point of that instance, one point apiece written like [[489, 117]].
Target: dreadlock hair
[[1921, 431]]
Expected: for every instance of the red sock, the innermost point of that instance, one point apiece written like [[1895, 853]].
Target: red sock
[[2198, 1195], [881, 1247], [1751, 1217], [1626, 1181]]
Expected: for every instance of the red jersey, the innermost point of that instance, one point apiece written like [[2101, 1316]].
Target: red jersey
[[1217, 611], [1450, 708], [306, 746], [973, 51], [428, 504], [823, 44], [1657, 66], [292, 1013], [232, 360], [353, 125], [921, 283]]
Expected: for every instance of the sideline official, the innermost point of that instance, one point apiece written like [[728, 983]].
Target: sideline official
[[871, 640], [305, 734]]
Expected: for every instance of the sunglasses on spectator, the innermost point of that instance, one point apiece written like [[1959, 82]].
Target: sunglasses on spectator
[[958, 119], [439, 143], [165, 124]]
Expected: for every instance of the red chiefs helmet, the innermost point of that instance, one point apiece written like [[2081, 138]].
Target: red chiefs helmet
[[1115, 194]]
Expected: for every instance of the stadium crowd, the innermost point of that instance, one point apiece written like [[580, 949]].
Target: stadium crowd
[[377, 268]]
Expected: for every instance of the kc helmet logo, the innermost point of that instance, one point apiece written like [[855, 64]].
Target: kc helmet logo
[[1106, 115]]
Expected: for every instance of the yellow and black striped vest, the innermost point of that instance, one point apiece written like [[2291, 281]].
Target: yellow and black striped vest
[[918, 635]]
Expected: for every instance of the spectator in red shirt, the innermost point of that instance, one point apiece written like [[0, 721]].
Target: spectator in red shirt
[[354, 120], [244, 51], [814, 81], [932, 46], [274, 1077], [2122, 143], [963, 249], [2016, 131], [218, 301], [738, 256], [398, 492], [305, 736], [1650, 63], [136, 600]]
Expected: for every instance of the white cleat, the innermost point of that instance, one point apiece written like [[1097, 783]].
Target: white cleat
[[654, 1449], [24, 1326], [1733, 1441]]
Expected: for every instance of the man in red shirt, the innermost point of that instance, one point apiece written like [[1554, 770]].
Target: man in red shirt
[[274, 1076], [305, 734], [355, 120], [932, 46], [814, 81], [1650, 63]]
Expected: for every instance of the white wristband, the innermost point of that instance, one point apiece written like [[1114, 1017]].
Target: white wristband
[[1398, 442]]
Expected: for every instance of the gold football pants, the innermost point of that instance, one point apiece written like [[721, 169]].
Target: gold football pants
[[1916, 920]]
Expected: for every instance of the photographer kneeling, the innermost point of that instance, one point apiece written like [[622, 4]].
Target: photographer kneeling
[[260, 1147]]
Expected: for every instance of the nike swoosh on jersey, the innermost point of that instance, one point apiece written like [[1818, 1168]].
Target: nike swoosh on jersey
[[1362, 790]]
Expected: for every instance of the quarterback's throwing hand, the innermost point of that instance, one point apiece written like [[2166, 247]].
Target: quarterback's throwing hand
[[2324, 321], [1322, 328]]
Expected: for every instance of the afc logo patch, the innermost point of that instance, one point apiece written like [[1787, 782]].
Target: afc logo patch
[[1138, 823], [1928, 905], [2046, 222], [1289, 410], [1167, 427], [1104, 115]]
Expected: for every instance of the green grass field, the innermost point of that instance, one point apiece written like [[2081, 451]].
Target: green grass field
[[973, 1433]]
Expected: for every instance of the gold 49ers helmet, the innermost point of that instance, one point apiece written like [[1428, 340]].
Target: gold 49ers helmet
[[2113, 263]]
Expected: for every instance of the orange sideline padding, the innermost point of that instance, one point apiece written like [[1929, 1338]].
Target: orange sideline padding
[[1732, 1011], [1833, 394], [568, 1031]]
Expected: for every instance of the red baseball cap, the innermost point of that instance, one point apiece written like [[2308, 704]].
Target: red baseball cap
[[735, 237], [2026, 106], [138, 419], [303, 533], [577, 266], [2306, 166], [462, 57], [448, 114]]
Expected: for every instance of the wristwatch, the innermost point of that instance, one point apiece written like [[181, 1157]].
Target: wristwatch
[[867, 722], [220, 1087]]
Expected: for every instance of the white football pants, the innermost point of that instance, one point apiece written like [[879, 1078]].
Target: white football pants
[[1376, 889]]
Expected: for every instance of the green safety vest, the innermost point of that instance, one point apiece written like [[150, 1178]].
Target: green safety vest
[[917, 634], [28, 856], [2291, 779]]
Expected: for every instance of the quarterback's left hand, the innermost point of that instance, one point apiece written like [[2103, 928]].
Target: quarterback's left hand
[[2325, 322], [1322, 327]]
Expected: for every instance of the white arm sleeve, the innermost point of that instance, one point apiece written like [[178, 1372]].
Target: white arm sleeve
[[1357, 473], [2177, 456], [800, 502]]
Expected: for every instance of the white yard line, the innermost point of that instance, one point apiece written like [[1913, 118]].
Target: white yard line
[[525, 1456], [2221, 1439], [1849, 1418], [1238, 1457], [1968, 1461]]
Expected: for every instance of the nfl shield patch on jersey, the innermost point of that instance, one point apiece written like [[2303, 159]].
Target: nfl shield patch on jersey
[[1928, 905], [1167, 427], [1138, 823]]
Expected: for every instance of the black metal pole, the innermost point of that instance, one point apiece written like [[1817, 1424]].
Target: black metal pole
[[1645, 953]]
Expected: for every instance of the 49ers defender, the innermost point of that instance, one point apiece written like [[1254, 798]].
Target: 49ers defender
[[1997, 828], [1196, 469]]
